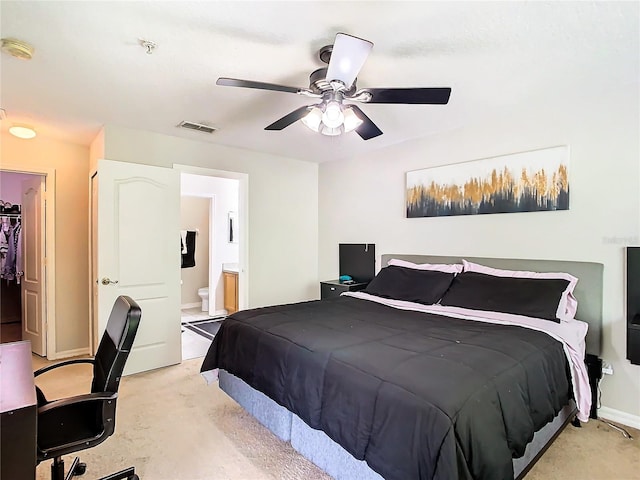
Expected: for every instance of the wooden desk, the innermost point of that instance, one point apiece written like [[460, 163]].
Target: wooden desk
[[18, 412]]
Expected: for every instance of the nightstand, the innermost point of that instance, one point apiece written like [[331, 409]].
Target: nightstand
[[333, 288]]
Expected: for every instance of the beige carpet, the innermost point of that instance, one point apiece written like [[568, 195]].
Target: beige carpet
[[172, 426]]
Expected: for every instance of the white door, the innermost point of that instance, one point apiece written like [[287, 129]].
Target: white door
[[33, 264], [138, 254]]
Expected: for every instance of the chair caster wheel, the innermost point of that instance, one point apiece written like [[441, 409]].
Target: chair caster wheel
[[80, 469], [134, 477]]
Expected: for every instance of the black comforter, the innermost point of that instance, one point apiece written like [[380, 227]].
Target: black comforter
[[417, 396]]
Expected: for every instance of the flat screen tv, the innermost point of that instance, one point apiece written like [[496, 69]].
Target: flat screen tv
[[358, 260]]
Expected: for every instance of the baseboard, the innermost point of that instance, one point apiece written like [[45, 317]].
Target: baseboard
[[70, 353], [617, 416], [220, 313], [190, 305]]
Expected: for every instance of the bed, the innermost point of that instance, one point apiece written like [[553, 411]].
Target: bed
[[368, 387]]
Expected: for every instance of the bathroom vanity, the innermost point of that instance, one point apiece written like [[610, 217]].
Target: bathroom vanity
[[230, 282]]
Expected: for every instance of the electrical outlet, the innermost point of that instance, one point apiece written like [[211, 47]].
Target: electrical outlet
[[607, 369]]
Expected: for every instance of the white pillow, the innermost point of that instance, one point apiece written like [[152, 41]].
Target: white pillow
[[436, 267], [568, 304]]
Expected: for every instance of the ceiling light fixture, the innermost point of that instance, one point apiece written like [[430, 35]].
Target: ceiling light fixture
[[331, 118], [313, 119], [17, 48], [351, 120], [22, 131]]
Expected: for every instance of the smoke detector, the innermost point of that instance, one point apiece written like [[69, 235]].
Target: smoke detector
[[17, 48], [199, 127]]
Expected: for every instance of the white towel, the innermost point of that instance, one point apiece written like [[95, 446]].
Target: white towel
[[183, 240]]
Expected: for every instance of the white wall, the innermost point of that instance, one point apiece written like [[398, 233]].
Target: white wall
[[282, 206], [71, 165], [225, 192], [11, 186], [363, 200], [194, 215]]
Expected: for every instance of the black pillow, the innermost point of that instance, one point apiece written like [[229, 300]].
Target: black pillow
[[531, 297], [410, 284]]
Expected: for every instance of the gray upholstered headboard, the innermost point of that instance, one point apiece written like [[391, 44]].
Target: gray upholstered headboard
[[588, 291]]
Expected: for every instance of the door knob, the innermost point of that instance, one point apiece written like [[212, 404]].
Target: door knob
[[107, 281]]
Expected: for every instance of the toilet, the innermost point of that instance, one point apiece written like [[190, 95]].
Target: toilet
[[204, 295]]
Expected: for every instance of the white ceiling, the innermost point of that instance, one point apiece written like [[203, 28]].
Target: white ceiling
[[498, 57]]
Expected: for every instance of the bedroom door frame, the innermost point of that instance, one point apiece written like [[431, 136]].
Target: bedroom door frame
[[243, 213], [49, 250]]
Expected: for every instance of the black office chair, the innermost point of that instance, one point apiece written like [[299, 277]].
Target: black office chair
[[84, 421]]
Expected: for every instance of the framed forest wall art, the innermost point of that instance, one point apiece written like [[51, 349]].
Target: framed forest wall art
[[521, 182]]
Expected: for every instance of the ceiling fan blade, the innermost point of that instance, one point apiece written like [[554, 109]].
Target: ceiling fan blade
[[288, 119], [434, 96], [235, 82], [368, 129], [347, 58]]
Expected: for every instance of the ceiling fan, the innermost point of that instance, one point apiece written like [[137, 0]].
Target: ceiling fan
[[336, 84]]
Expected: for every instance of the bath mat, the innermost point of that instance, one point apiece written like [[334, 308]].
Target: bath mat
[[207, 328]]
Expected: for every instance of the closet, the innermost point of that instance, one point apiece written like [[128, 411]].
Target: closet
[[23, 286], [10, 271]]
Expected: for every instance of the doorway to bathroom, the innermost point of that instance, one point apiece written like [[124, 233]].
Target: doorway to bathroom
[[210, 242]]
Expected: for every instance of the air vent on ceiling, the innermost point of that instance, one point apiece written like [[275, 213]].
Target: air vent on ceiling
[[197, 126]]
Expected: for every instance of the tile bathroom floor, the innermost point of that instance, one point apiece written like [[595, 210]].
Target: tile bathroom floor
[[193, 345]]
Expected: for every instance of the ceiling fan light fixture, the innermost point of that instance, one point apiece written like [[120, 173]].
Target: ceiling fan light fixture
[[331, 132], [332, 119], [333, 116], [313, 119], [351, 120]]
